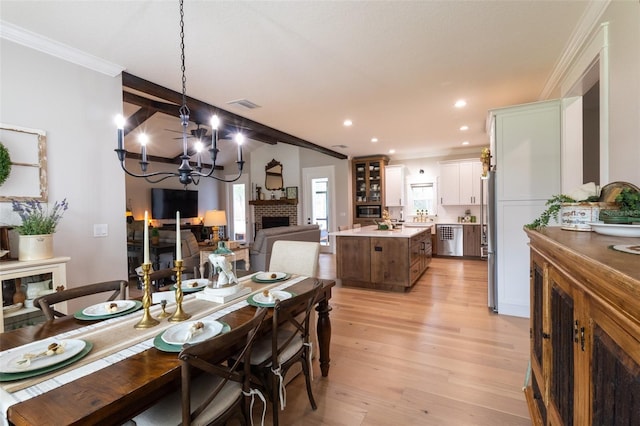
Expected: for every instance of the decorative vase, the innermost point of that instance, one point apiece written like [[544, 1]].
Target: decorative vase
[[35, 247], [19, 296]]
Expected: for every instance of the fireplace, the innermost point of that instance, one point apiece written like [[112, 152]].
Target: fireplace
[[273, 221], [271, 213]]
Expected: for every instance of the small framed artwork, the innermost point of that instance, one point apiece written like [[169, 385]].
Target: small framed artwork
[[292, 192]]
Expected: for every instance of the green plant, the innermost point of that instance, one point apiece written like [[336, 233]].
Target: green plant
[[553, 208], [155, 232], [37, 220], [629, 202], [5, 164]]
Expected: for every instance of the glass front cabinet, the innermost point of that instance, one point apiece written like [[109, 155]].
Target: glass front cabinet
[[368, 188], [22, 282]]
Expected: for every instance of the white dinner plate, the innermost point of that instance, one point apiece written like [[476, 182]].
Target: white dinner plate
[[615, 229], [277, 294], [9, 360], [179, 334], [193, 284], [268, 276], [102, 309]]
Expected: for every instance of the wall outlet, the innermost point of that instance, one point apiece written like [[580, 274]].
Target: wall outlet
[[100, 230]]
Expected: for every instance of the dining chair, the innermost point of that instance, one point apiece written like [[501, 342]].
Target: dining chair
[[295, 257], [222, 389], [286, 345], [156, 278], [46, 303], [344, 227], [356, 225]]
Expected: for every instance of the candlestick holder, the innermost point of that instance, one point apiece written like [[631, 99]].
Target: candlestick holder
[[179, 314], [164, 313], [147, 320]]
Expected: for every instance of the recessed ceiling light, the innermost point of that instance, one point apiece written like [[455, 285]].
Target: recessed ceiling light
[[374, 140], [464, 128], [465, 143], [347, 123], [460, 103], [392, 151]]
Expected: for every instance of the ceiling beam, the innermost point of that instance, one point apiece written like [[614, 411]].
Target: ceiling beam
[[201, 112]]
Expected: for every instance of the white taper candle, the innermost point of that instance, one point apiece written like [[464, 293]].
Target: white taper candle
[[178, 240], [146, 237]]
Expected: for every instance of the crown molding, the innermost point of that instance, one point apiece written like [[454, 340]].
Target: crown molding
[[582, 32], [51, 47]]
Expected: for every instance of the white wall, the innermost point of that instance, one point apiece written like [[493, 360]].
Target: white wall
[[75, 106], [624, 90]]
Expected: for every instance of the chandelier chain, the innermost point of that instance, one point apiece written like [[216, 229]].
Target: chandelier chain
[[185, 174], [184, 109]]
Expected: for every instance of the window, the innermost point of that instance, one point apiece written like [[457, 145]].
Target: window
[[422, 198]]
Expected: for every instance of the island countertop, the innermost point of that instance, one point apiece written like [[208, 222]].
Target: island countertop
[[372, 231]]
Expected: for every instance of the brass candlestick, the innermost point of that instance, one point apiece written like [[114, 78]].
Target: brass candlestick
[[179, 314], [147, 320]]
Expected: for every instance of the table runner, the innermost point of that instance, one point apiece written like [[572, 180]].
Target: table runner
[[102, 334]]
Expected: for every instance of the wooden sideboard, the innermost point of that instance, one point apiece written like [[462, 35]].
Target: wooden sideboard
[[585, 329], [17, 270]]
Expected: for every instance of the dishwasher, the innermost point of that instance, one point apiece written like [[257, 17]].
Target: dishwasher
[[449, 240]]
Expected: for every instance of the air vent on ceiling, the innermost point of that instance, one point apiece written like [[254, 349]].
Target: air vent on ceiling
[[339, 146], [245, 103]]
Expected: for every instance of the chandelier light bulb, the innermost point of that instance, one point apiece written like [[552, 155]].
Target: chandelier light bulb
[[198, 146], [215, 122], [120, 121]]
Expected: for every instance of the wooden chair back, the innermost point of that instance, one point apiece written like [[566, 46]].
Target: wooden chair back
[[213, 357], [45, 303]]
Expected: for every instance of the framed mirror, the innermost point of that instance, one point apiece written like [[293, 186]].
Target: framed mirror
[[273, 179]]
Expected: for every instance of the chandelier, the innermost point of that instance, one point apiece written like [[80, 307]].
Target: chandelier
[[185, 174]]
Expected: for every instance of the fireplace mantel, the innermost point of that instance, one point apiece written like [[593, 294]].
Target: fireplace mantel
[[290, 201]]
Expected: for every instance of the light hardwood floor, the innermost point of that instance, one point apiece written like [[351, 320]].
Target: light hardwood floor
[[432, 356]]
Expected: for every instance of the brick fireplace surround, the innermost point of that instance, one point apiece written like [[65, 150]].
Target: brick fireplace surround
[[274, 210]]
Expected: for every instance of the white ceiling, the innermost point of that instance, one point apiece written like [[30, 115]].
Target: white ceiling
[[393, 67]]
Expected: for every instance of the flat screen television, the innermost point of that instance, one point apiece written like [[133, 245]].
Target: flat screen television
[[166, 202]]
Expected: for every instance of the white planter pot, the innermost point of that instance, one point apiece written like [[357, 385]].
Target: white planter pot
[[35, 247], [577, 216]]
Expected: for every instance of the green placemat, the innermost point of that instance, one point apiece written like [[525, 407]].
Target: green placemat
[[252, 302], [163, 346], [9, 377], [79, 315]]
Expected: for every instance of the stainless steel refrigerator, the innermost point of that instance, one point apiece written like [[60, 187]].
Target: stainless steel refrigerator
[[489, 234]]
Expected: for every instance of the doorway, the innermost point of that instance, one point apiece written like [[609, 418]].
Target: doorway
[[318, 206], [238, 206]]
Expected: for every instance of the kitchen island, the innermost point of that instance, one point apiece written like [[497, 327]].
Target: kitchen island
[[390, 260]]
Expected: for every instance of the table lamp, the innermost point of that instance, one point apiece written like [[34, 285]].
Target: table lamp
[[215, 219]]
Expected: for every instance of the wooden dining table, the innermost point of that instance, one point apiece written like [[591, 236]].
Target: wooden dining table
[[116, 393]]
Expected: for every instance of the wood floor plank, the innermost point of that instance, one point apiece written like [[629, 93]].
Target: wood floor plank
[[433, 356]]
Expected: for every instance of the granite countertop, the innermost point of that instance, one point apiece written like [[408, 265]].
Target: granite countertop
[[372, 231]]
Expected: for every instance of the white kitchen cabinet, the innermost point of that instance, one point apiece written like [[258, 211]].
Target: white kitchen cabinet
[[394, 193], [460, 182], [449, 184]]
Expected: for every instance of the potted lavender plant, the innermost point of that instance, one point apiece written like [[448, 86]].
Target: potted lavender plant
[[37, 228]]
